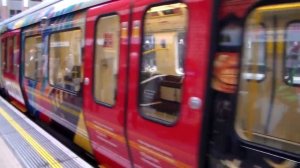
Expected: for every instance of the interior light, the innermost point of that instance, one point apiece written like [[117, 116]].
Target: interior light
[[167, 7], [25, 3], [4, 2]]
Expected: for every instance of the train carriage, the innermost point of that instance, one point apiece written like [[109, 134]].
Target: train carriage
[[162, 83]]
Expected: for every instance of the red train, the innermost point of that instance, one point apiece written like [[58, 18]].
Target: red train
[[162, 83]]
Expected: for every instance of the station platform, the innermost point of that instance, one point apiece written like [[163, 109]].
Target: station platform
[[23, 144]]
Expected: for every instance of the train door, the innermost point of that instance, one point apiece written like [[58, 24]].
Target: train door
[[272, 92], [168, 74], [105, 81]]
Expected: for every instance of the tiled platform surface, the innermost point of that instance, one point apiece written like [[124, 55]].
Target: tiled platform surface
[[24, 144]]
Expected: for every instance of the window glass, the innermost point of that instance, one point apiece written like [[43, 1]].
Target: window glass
[[3, 54], [292, 59], [106, 59], [9, 54], [33, 55], [15, 56], [254, 53], [14, 12], [65, 60], [268, 106], [162, 60]]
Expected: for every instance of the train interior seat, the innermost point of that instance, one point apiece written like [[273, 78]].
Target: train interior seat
[[169, 95]]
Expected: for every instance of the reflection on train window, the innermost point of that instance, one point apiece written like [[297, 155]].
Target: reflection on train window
[[65, 60], [9, 54], [254, 53], [149, 62], [33, 55], [107, 58], [15, 56], [268, 106], [3, 54], [292, 54], [161, 72]]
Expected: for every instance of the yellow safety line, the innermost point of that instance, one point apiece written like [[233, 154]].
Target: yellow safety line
[[40, 150]]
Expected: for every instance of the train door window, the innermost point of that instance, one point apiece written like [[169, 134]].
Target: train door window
[[9, 54], [292, 56], [3, 54], [268, 98], [161, 69], [33, 53], [15, 56], [107, 59], [65, 60]]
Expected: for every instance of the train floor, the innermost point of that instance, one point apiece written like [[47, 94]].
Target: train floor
[[23, 144]]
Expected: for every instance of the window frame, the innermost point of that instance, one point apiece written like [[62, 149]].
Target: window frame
[[25, 53], [140, 66], [94, 58], [48, 59]]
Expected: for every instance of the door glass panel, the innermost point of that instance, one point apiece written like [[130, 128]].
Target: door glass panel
[[107, 59], [268, 97], [33, 52], [162, 61]]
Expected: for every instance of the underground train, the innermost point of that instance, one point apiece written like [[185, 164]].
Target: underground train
[[162, 83]]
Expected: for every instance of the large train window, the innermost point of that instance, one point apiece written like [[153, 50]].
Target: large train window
[[292, 54], [162, 60], [107, 59], [268, 99], [65, 60], [33, 53]]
